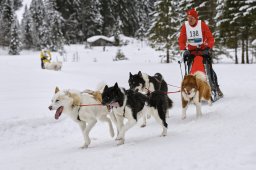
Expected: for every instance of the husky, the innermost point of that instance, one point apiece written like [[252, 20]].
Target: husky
[[53, 65], [70, 102], [195, 89], [146, 84], [133, 105]]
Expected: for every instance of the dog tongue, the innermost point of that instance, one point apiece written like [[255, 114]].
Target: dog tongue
[[58, 112]]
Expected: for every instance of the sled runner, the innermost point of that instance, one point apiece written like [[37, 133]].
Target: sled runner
[[199, 62]]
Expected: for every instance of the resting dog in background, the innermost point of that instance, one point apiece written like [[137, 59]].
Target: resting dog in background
[[53, 66], [69, 101], [194, 89], [130, 104], [146, 84]]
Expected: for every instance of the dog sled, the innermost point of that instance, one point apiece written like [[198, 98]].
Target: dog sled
[[198, 61]]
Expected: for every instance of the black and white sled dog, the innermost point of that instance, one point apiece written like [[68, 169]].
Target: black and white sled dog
[[69, 102], [133, 105], [147, 84]]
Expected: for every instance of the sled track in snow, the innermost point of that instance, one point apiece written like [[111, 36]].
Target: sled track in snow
[[32, 130]]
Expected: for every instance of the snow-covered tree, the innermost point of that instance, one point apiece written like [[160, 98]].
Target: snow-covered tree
[[165, 26], [37, 10], [108, 19], [16, 4], [143, 8], [55, 23], [6, 20], [14, 47], [125, 10], [70, 11], [228, 26], [90, 18], [183, 6], [26, 30]]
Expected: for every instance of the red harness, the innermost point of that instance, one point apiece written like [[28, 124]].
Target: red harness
[[197, 65]]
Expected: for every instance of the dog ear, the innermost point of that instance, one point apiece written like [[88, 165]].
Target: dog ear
[[116, 86], [130, 74], [140, 74], [56, 89], [105, 88]]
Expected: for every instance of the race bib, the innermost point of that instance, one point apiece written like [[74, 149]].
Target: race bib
[[194, 34]]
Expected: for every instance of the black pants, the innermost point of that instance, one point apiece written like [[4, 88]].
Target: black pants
[[42, 64]]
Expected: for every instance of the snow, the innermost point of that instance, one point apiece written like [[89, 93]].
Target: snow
[[30, 138], [254, 42]]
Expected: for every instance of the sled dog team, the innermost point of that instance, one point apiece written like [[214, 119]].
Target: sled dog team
[[147, 96]]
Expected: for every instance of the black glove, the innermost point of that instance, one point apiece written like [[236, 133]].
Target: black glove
[[207, 52], [186, 54]]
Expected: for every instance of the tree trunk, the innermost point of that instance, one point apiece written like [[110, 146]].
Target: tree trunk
[[167, 56], [246, 52], [236, 61], [242, 51]]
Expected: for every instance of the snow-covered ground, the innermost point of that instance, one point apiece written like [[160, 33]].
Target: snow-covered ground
[[31, 139]]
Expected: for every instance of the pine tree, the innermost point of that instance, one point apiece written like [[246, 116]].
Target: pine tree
[[164, 29], [90, 18], [14, 47], [108, 19], [183, 7], [16, 4], [26, 30], [125, 10], [6, 20], [45, 35], [207, 11], [37, 10], [55, 22], [247, 17], [143, 9], [70, 11], [228, 27]]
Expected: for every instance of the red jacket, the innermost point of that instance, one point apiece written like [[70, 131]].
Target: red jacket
[[208, 39]]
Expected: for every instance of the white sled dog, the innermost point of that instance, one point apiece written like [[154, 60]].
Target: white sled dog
[[53, 66], [70, 102]]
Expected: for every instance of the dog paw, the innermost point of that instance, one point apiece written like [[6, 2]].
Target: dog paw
[[143, 125], [183, 117], [120, 141], [164, 133], [198, 116], [84, 146]]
